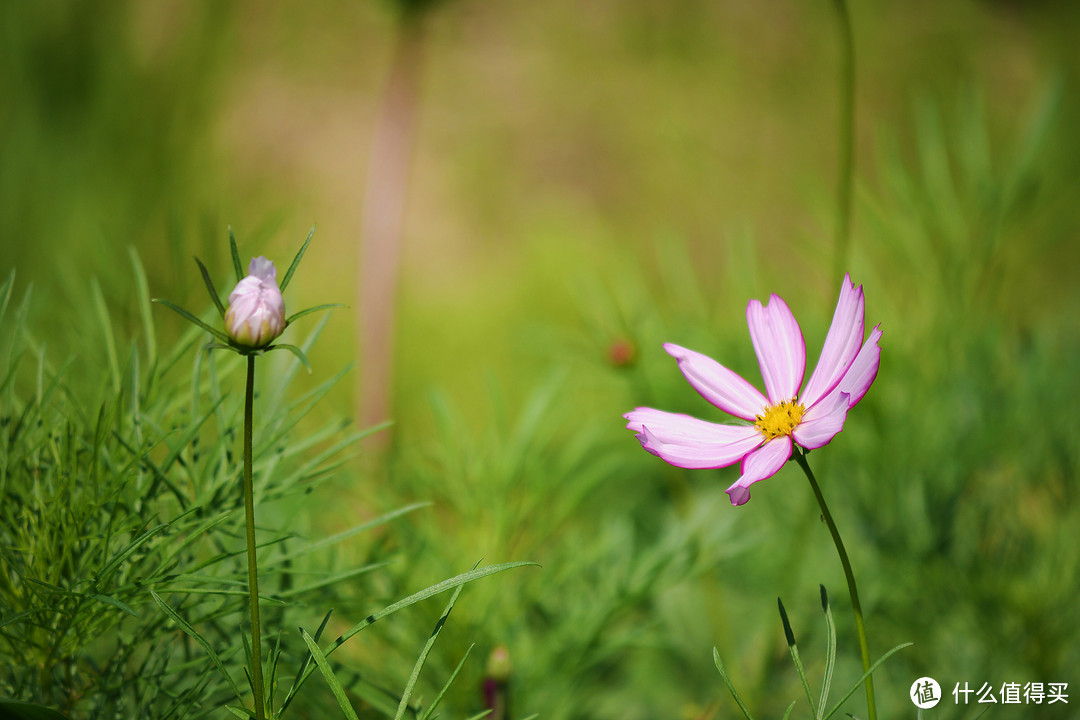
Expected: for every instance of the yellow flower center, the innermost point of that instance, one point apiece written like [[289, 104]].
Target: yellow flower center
[[779, 419]]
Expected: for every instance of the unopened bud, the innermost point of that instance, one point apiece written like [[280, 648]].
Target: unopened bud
[[256, 314], [499, 667]]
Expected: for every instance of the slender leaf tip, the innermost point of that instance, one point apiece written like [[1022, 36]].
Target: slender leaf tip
[[787, 625]]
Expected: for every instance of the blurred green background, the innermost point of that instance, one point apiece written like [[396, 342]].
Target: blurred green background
[[588, 181]]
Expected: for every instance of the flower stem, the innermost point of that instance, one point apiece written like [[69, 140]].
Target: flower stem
[[253, 570], [846, 168], [856, 608]]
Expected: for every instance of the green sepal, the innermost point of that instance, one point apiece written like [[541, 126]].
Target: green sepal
[[310, 310], [210, 288], [296, 261], [219, 334], [295, 351], [237, 265]]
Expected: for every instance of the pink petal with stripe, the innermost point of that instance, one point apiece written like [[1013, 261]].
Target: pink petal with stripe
[[763, 463], [779, 345], [724, 388], [687, 442]]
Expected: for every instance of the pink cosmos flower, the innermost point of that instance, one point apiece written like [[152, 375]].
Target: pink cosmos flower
[[256, 314], [785, 415]]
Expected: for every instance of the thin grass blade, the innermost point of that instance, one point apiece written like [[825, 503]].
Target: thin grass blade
[[405, 696], [731, 687], [859, 682], [116, 604], [426, 714], [300, 674], [107, 331], [416, 597], [332, 579], [145, 315], [331, 678], [795, 656], [192, 633], [830, 650], [343, 535]]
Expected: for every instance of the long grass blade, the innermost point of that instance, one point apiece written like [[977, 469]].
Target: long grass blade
[[426, 714], [343, 535], [331, 678], [868, 673], [145, 315], [416, 597], [730, 686], [107, 331], [301, 673], [192, 633], [405, 696], [332, 579], [794, 649], [830, 650]]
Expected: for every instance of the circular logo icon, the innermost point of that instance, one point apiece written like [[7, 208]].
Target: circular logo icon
[[925, 693]]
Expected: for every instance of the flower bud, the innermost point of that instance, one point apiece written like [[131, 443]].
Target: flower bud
[[256, 314]]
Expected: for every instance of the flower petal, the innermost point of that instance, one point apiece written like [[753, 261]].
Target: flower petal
[[687, 442], [263, 269], [779, 345], [822, 421], [758, 465], [256, 314], [860, 376], [725, 389], [841, 344]]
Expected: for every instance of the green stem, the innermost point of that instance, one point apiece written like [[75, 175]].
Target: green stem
[[853, 591], [846, 141], [253, 569]]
